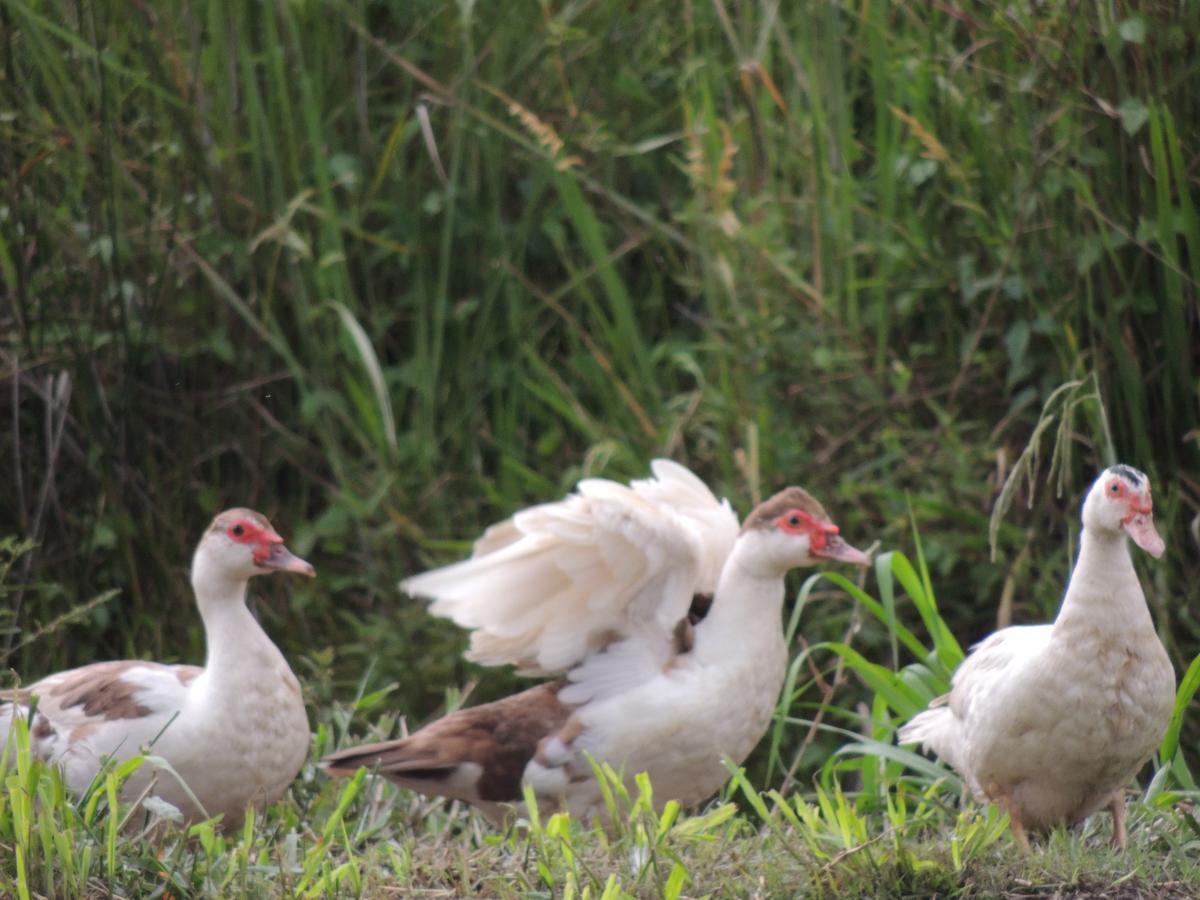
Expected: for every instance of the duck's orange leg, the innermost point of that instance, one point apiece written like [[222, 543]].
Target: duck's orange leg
[[1006, 803], [1116, 806]]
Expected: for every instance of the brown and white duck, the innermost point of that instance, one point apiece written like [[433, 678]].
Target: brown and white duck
[[661, 621], [1051, 722], [235, 731]]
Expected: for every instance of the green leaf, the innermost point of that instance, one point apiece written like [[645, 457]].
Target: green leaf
[[1134, 115], [370, 363], [1133, 30], [901, 697], [911, 760], [1187, 689], [675, 882]]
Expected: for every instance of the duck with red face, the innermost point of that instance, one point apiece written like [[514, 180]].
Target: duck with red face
[[1052, 721], [660, 621], [1127, 505], [235, 732]]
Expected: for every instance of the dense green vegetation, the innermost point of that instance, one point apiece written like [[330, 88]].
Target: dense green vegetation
[[390, 271]]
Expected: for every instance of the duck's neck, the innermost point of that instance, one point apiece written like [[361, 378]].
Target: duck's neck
[[1104, 592], [236, 644], [745, 615]]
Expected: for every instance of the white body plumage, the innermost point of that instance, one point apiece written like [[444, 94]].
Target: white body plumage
[[235, 732], [1052, 721], [601, 589]]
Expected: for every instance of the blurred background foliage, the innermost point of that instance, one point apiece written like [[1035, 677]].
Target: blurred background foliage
[[390, 271]]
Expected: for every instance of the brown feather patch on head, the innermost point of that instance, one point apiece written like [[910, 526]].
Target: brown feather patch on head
[[101, 690], [230, 517], [765, 514]]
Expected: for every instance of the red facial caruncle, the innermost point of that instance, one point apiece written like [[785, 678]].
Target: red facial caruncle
[[797, 521], [1140, 503], [245, 531]]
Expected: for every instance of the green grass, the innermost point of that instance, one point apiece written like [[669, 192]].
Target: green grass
[[391, 271], [875, 820]]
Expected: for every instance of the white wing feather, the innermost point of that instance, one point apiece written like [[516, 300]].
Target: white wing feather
[[994, 661], [994, 665], [78, 740], [558, 583]]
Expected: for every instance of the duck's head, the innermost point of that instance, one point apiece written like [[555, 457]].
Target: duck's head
[[1120, 501], [239, 544], [792, 529]]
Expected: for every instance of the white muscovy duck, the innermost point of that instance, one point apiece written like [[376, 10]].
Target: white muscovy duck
[[235, 731], [663, 620], [1051, 722]]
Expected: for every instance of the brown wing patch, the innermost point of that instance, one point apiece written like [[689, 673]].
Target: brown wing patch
[[701, 604], [682, 639], [774, 507], [79, 732], [499, 737], [42, 729], [101, 690], [570, 731], [187, 674]]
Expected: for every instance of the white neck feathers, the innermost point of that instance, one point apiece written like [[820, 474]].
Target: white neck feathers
[[746, 609], [236, 644], [1104, 591]]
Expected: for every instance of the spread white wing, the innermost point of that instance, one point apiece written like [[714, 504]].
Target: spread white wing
[[610, 567]]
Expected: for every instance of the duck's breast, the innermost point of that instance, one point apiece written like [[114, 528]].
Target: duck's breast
[[1073, 725], [680, 726]]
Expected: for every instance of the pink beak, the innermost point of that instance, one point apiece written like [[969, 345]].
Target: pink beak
[[837, 549], [1140, 527], [280, 559]]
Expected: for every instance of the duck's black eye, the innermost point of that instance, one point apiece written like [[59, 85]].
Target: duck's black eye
[[794, 520], [1114, 487], [238, 530]]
